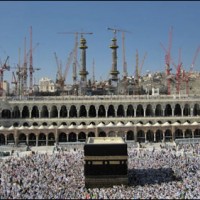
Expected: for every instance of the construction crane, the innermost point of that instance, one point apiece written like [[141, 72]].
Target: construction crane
[[194, 59], [142, 63], [167, 60], [3, 68], [93, 73], [61, 76], [24, 68], [14, 81], [178, 72], [138, 69], [186, 76], [75, 51]]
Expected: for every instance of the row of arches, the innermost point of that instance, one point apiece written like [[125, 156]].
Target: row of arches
[[130, 110], [44, 139]]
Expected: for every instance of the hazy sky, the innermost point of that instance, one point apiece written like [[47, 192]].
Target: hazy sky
[[148, 22]]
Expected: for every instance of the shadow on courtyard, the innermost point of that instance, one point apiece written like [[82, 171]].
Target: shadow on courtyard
[[151, 176]]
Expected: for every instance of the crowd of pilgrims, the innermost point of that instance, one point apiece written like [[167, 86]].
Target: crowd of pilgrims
[[164, 173]]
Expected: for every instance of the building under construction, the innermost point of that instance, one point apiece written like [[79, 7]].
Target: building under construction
[[157, 107], [118, 83]]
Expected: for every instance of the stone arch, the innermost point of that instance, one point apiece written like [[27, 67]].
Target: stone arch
[[168, 135], [6, 114], [120, 111], [178, 133], [186, 110], [102, 134], [51, 139], [44, 124], [82, 111], [159, 135], [149, 110], [158, 110], [54, 123], [72, 137], [196, 111], [41, 139], [73, 111], [35, 112], [54, 112], [81, 137], [16, 112], [140, 111], [91, 134], [25, 112], [111, 111], [168, 110], [63, 111], [25, 124], [35, 124], [62, 137], [188, 133], [197, 133], [177, 110], [140, 136], [150, 136], [92, 111], [130, 135], [111, 134], [44, 112], [32, 139], [130, 111], [22, 138], [2, 139], [101, 111], [10, 138], [15, 124]]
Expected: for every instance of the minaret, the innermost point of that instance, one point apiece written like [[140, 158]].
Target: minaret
[[114, 72], [83, 73]]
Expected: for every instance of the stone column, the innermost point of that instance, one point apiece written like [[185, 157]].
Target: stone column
[[16, 139], [163, 136], [135, 133], [172, 112], [37, 137], [184, 133], [47, 140], [30, 113], [144, 111], [56, 136], [191, 112], [163, 112], [135, 109], [78, 114], [58, 113], [27, 139], [68, 110], [96, 112], [182, 111], [154, 137], [6, 139], [145, 135]]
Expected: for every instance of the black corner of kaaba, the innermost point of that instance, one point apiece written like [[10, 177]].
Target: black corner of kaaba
[[106, 164]]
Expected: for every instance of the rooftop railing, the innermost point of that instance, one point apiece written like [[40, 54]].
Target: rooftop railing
[[99, 98]]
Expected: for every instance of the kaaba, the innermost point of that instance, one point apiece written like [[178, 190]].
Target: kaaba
[[106, 162]]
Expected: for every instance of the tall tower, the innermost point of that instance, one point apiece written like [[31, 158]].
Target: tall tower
[[114, 72], [83, 72]]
